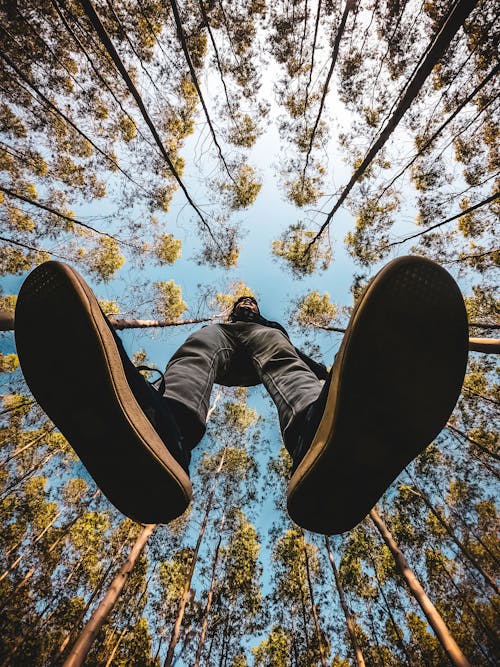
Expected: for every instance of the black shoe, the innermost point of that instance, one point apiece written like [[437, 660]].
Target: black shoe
[[393, 386], [118, 424]]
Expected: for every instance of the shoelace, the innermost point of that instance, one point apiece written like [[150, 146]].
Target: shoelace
[[161, 386]]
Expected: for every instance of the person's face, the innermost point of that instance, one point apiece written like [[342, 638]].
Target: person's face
[[249, 304]]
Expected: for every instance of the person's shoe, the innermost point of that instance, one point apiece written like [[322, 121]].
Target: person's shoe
[[393, 386], [79, 373]]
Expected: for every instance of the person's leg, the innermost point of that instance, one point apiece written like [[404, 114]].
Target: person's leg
[[392, 388], [203, 359], [290, 382], [78, 371]]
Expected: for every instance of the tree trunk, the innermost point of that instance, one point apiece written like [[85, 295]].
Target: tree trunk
[[348, 6], [206, 612], [397, 629], [313, 603], [113, 54], [115, 647], [27, 474], [351, 625], [84, 642], [487, 345], [7, 324], [27, 446], [187, 587], [451, 534], [13, 565], [452, 649]]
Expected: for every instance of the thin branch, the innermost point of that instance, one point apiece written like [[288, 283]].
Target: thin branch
[[486, 201], [63, 216], [32, 248], [194, 78], [95, 69], [57, 111], [348, 6], [429, 141], [316, 27]]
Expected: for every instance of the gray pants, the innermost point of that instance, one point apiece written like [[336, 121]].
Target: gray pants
[[237, 354]]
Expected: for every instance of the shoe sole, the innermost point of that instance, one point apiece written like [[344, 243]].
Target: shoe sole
[[396, 380], [72, 366]]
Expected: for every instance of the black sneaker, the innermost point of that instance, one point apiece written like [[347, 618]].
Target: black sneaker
[[393, 386], [118, 424]]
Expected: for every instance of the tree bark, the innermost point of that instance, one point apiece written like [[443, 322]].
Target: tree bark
[[13, 565], [348, 6], [84, 642], [452, 649], [115, 647], [7, 322], [451, 534], [484, 449], [351, 624], [201, 641], [187, 587], [313, 603], [488, 345], [27, 446]]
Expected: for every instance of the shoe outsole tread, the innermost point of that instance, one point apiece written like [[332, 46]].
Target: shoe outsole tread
[[395, 381], [71, 363]]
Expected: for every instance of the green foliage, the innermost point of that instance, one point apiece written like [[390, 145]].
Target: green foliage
[[168, 303], [243, 191], [226, 301], [295, 248], [104, 260], [109, 307], [315, 309], [167, 249], [273, 651], [8, 363]]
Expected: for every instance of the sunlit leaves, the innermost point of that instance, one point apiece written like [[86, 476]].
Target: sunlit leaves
[[301, 257], [168, 302], [316, 309]]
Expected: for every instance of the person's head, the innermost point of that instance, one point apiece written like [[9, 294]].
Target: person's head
[[244, 308]]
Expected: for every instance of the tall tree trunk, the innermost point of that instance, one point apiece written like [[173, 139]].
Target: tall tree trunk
[[84, 642], [463, 435], [15, 563], [452, 649], [451, 534], [194, 78], [32, 570], [96, 590], [340, 31], [27, 474], [28, 444], [206, 612], [115, 647], [397, 629], [351, 624], [313, 603], [7, 324], [486, 345], [187, 587]]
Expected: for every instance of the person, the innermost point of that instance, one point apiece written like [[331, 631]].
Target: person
[[350, 432]]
